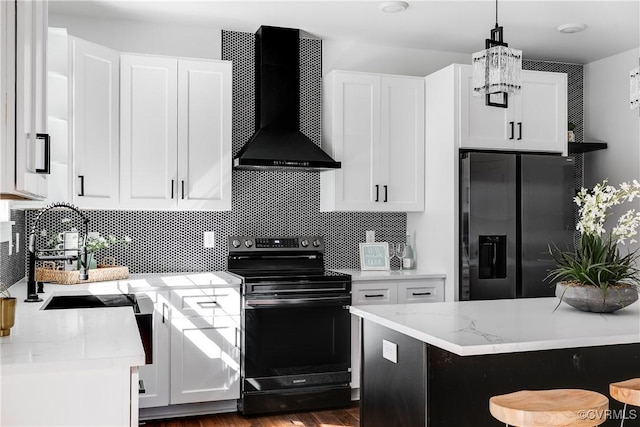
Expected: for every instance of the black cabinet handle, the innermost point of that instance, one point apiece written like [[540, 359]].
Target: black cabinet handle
[[81, 178], [418, 294], [377, 193], [163, 315], [46, 154], [511, 125], [385, 193], [172, 188], [141, 388], [519, 131], [182, 183], [374, 296]]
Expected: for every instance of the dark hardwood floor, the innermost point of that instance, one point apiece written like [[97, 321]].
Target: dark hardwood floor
[[328, 418]]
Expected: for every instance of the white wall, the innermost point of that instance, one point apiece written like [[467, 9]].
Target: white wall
[[353, 56], [608, 118], [190, 41], [205, 42]]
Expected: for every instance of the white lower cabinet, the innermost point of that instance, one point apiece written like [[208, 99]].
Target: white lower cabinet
[[154, 378], [196, 354], [205, 339], [392, 291]]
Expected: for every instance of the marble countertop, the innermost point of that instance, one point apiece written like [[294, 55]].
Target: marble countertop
[[359, 275], [471, 328], [90, 337]]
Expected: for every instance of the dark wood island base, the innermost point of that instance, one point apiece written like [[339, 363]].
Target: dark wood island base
[[429, 386]]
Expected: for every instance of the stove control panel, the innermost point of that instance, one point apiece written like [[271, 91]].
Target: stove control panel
[[258, 244]]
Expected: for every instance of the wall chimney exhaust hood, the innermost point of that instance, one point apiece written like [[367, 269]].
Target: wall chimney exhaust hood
[[278, 143]]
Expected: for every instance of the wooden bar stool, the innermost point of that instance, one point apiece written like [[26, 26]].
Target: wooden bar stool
[[547, 408], [627, 392]]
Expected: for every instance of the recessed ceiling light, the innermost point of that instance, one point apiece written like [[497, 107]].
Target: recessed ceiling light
[[393, 6], [571, 28]]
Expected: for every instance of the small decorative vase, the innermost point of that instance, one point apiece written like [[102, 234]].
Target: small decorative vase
[[7, 315], [591, 298]]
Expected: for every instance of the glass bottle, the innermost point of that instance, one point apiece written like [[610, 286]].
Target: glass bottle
[[408, 261]]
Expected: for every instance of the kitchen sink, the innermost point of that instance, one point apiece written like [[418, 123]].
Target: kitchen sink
[[61, 302], [142, 307]]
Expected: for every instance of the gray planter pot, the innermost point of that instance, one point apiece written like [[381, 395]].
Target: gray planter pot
[[590, 298]]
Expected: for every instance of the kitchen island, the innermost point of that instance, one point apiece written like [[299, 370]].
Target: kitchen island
[[438, 364]]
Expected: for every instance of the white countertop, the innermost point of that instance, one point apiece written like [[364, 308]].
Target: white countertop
[[359, 275], [87, 337], [505, 326]]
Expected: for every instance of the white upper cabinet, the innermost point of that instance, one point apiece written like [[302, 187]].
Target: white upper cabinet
[[26, 145], [204, 134], [535, 120], [96, 103], [175, 133], [374, 125]]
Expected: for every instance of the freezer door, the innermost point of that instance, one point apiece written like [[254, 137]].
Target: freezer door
[[488, 226], [548, 188]]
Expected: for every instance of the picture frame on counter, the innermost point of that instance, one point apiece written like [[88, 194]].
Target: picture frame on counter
[[374, 256]]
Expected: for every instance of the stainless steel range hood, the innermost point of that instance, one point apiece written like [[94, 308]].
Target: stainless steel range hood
[[278, 143]]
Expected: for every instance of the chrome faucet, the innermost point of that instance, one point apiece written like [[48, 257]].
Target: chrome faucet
[[83, 274]]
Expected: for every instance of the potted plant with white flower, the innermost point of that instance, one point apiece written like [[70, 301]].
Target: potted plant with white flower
[[597, 276]]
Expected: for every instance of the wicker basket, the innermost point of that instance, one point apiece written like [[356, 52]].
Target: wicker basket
[[107, 270]]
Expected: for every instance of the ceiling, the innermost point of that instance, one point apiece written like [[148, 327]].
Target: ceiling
[[451, 25]]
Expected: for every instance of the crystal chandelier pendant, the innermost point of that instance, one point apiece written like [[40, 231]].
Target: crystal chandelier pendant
[[497, 70], [634, 88]]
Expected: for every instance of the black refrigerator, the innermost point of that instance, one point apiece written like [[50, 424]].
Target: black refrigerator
[[512, 206]]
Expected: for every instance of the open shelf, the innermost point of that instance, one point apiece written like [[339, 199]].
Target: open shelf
[[585, 147]]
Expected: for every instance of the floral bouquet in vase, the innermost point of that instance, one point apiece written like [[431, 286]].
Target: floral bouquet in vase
[[597, 276]]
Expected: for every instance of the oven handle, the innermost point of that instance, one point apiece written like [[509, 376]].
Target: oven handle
[[280, 302]]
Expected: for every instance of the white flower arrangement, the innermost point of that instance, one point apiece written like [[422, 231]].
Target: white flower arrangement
[[596, 260], [594, 206]]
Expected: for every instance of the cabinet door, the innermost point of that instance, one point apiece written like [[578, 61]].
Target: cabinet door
[[355, 141], [96, 102], [423, 290], [154, 378], [31, 153], [205, 359], [401, 163], [148, 132], [541, 114], [481, 126], [367, 293], [204, 135]]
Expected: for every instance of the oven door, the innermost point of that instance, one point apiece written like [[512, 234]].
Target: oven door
[[296, 342]]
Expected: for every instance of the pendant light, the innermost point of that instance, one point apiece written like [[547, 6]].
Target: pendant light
[[634, 88], [497, 70]]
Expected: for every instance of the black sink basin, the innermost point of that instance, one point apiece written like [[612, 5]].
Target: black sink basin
[[92, 301]]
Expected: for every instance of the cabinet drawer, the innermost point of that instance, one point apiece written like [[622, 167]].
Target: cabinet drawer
[[421, 291], [205, 302], [374, 293]]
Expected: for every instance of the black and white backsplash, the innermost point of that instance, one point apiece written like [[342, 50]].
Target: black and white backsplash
[[263, 203]]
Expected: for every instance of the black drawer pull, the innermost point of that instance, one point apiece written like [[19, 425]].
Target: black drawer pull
[[519, 131], [377, 193], [374, 296], [512, 124], [141, 388], [385, 193], [419, 294], [172, 188]]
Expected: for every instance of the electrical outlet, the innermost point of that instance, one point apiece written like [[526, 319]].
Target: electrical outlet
[[209, 239], [390, 351], [371, 236]]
